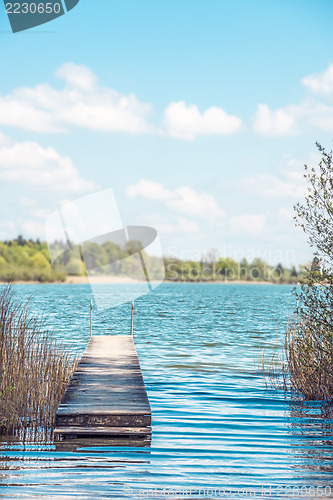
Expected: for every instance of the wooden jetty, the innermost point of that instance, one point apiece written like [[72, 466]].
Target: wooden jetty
[[106, 396]]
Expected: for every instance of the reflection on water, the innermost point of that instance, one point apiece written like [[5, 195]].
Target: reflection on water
[[215, 425], [312, 423]]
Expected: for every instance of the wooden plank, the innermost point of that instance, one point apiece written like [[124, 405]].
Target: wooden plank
[[105, 431], [73, 443], [106, 390]]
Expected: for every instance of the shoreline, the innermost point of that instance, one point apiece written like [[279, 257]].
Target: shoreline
[[114, 280]]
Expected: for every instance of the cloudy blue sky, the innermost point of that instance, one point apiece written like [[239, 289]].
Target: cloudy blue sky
[[199, 114]]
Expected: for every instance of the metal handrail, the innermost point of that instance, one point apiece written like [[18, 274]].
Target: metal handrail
[[132, 317], [91, 307]]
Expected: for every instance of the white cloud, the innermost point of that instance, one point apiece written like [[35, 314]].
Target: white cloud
[[293, 119], [267, 122], [4, 139], [27, 202], [30, 164], [33, 228], [248, 223], [8, 228], [77, 76], [184, 200], [288, 183], [286, 215], [179, 225], [320, 115], [321, 83], [21, 109], [148, 189], [81, 103], [297, 118], [186, 122]]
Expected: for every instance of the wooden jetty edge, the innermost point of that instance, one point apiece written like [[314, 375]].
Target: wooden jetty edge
[[106, 396]]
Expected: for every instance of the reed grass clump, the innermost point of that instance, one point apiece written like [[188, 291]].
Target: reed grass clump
[[304, 365], [34, 368], [309, 358]]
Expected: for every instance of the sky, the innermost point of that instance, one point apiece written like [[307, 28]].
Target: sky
[[199, 115]]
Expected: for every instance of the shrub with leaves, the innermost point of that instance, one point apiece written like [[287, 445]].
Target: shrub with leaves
[[307, 366]]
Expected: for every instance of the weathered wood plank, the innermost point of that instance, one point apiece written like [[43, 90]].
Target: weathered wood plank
[[105, 431], [106, 391], [73, 443]]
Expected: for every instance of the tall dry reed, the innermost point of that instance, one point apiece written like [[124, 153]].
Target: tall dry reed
[[304, 365], [34, 369]]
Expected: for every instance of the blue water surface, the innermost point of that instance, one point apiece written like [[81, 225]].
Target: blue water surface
[[217, 432]]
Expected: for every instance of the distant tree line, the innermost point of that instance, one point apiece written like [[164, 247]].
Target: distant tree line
[[228, 269], [29, 260]]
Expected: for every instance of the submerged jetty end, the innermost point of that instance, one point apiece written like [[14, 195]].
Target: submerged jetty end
[[106, 396]]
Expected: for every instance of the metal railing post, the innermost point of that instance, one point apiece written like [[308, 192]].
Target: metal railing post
[[132, 317], [91, 306]]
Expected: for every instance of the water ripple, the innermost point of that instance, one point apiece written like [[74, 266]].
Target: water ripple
[[215, 426]]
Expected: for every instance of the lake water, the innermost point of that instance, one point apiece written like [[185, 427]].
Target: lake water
[[217, 432]]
